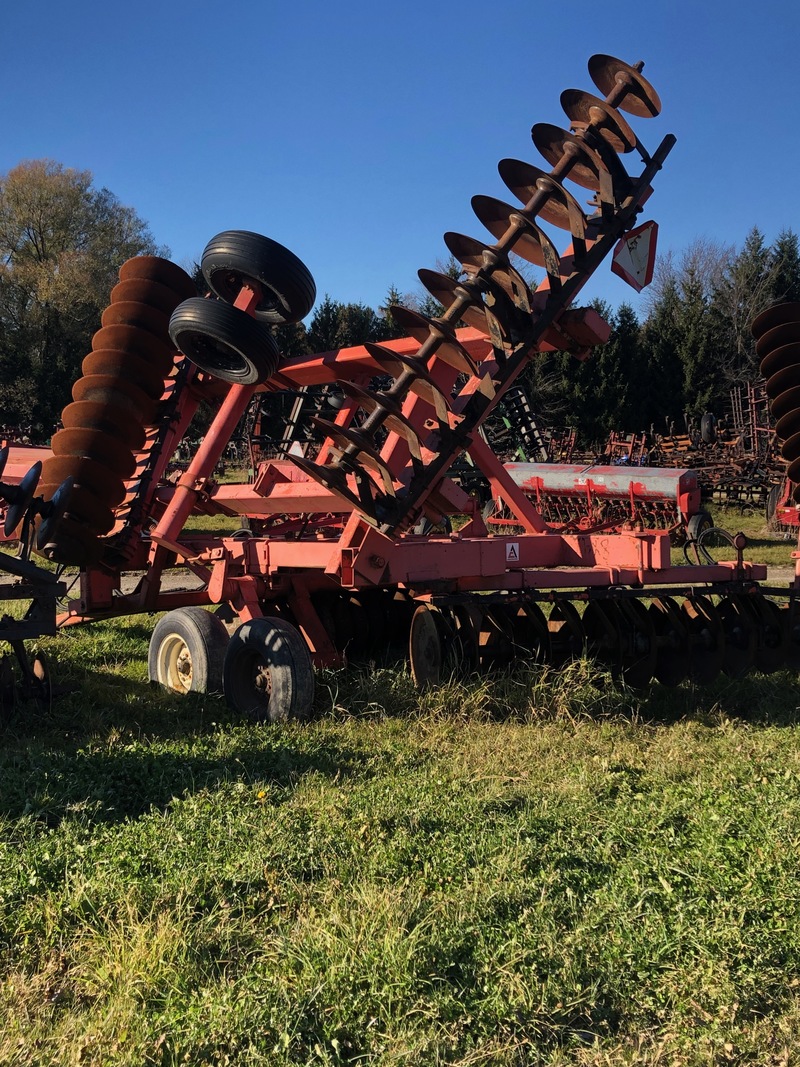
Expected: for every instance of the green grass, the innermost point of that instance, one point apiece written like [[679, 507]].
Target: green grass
[[533, 868]]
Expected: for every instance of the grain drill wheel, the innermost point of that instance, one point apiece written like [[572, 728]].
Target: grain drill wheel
[[187, 651], [237, 257], [698, 524], [224, 341], [268, 673]]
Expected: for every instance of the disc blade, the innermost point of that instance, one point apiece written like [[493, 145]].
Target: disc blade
[[448, 348], [560, 209], [624, 86], [584, 110], [552, 142], [531, 243]]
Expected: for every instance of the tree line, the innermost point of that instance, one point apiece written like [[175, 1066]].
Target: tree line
[[62, 242]]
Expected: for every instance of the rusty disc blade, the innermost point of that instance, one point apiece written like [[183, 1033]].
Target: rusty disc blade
[[126, 366], [104, 483], [784, 380], [368, 456], [449, 348], [780, 358], [330, 477], [394, 420], [791, 453], [395, 364], [785, 334], [741, 636], [789, 425], [447, 291], [584, 110], [110, 418], [106, 389], [705, 637], [156, 269], [86, 507], [774, 316], [672, 659], [625, 86], [790, 450], [144, 291], [96, 445], [143, 343], [496, 217], [142, 316], [552, 142], [525, 180], [474, 255], [786, 402]]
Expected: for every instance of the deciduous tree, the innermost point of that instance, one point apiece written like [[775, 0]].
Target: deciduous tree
[[62, 242]]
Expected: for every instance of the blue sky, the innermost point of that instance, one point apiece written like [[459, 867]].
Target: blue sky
[[356, 133]]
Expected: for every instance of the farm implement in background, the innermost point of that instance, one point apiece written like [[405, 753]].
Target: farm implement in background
[[32, 589], [364, 538]]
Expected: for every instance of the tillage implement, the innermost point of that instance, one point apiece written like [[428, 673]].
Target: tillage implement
[[364, 540]]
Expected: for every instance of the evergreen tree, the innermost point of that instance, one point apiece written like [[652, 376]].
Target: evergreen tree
[[786, 267], [661, 342], [701, 372], [336, 325]]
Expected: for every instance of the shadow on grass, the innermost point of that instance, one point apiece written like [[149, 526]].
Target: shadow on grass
[[109, 747]]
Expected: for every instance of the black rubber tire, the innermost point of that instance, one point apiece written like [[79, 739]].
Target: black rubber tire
[[268, 674], [237, 256], [708, 429], [187, 651], [224, 341], [698, 523]]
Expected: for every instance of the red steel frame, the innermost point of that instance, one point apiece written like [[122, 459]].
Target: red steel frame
[[350, 552]]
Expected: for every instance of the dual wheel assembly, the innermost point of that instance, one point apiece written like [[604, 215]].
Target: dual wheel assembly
[[264, 668]]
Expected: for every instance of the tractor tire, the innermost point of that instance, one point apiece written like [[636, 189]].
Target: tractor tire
[[235, 257], [224, 341], [268, 674], [187, 651]]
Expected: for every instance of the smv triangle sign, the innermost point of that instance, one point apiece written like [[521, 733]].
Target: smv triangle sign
[[635, 256]]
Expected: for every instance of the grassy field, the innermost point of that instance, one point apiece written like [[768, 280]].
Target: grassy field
[[535, 869]]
